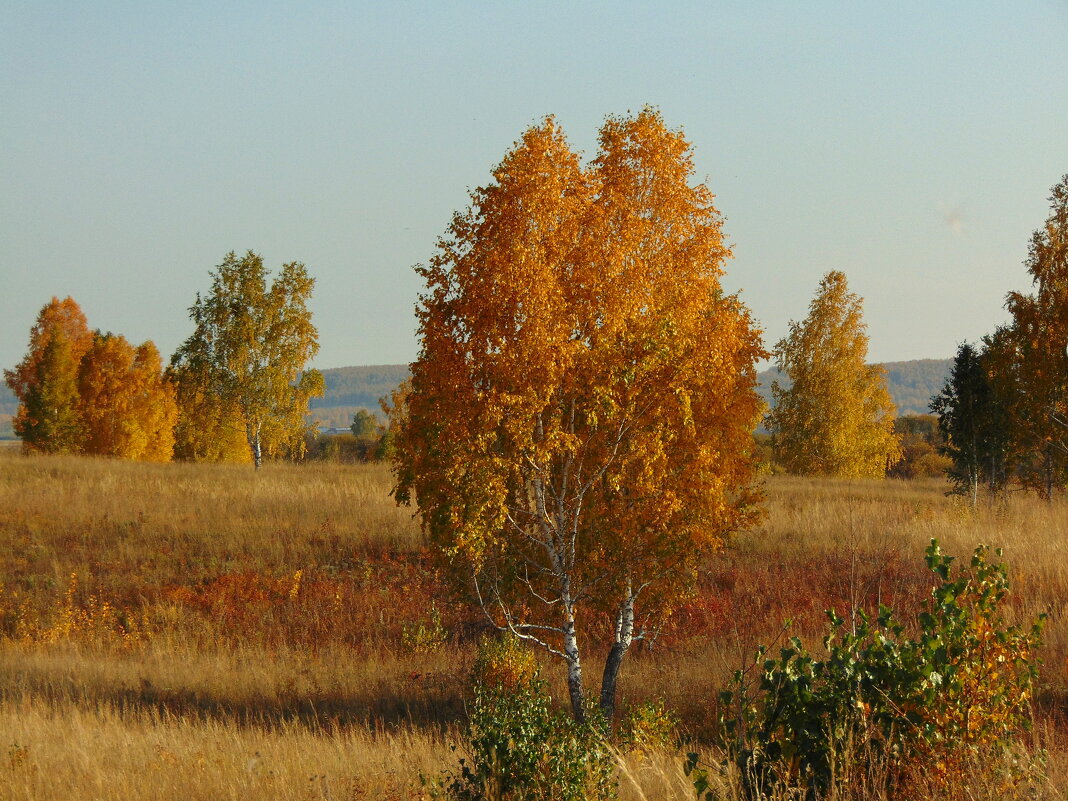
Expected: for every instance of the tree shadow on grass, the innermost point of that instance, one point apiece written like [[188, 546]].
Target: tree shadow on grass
[[424, 701]]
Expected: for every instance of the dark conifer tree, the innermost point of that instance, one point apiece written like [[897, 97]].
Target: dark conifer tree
[[973, 425]]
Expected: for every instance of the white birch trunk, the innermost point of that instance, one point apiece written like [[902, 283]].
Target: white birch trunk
[[574, 670], [624, 636], [252, 434]]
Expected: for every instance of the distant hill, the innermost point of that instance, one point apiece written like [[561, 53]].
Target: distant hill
[[349, 389], [911, 384], [8, 406], [359, 387], [345, 386]]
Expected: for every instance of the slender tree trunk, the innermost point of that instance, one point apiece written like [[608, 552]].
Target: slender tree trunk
[[562, 560], [252, 434], [574, 669], [623, 640]]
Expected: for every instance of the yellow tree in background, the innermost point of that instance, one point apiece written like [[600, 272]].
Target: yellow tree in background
[[836, 417], [578, 430], [45, 381], [209, 428], [92, 393], [245, 359], [127, 406], [155, 405]]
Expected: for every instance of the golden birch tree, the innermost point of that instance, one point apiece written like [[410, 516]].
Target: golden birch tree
[[92, 393], [209, 429], [247, 354], [578, 429], [155, 405], [45, 381], [127, 405], [836, 417], [104, 390]]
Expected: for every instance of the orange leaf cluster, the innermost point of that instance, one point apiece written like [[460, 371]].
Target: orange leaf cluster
[[91, 392], [128, 407]]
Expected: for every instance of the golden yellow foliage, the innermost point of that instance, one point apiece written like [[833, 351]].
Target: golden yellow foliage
[[208, 429], [836, 418], [127, 405], [92, 393], [155, 405], [58, 316], [44, 381], [578, 429], [243, 368]]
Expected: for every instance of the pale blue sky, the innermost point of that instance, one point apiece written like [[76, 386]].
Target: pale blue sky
[[911, 145]]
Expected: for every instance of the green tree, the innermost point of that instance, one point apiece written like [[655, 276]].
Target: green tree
[[247, 354], [973, 424], [578, 430], [518, 747], [365, 424], [836, 418]]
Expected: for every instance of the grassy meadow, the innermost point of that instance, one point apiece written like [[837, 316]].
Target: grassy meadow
[[206, 632]]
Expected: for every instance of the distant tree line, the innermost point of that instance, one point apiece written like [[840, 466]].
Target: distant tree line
[[83, 391], [1000, 420], [367, 440], [358, 387], [236, 389]]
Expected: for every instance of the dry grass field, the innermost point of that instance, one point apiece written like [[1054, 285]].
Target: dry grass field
[[205, 632]]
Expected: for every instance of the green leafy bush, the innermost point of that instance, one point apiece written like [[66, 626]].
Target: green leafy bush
[[521, 749], [887, 710]]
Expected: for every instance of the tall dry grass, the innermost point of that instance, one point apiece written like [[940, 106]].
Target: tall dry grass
[[215, 613], [111, 752]]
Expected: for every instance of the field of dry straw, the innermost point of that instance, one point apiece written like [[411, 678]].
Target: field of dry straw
[[186, 632]]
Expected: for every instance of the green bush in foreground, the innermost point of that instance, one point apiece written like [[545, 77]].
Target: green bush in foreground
[[521, 749], [884, 713]]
